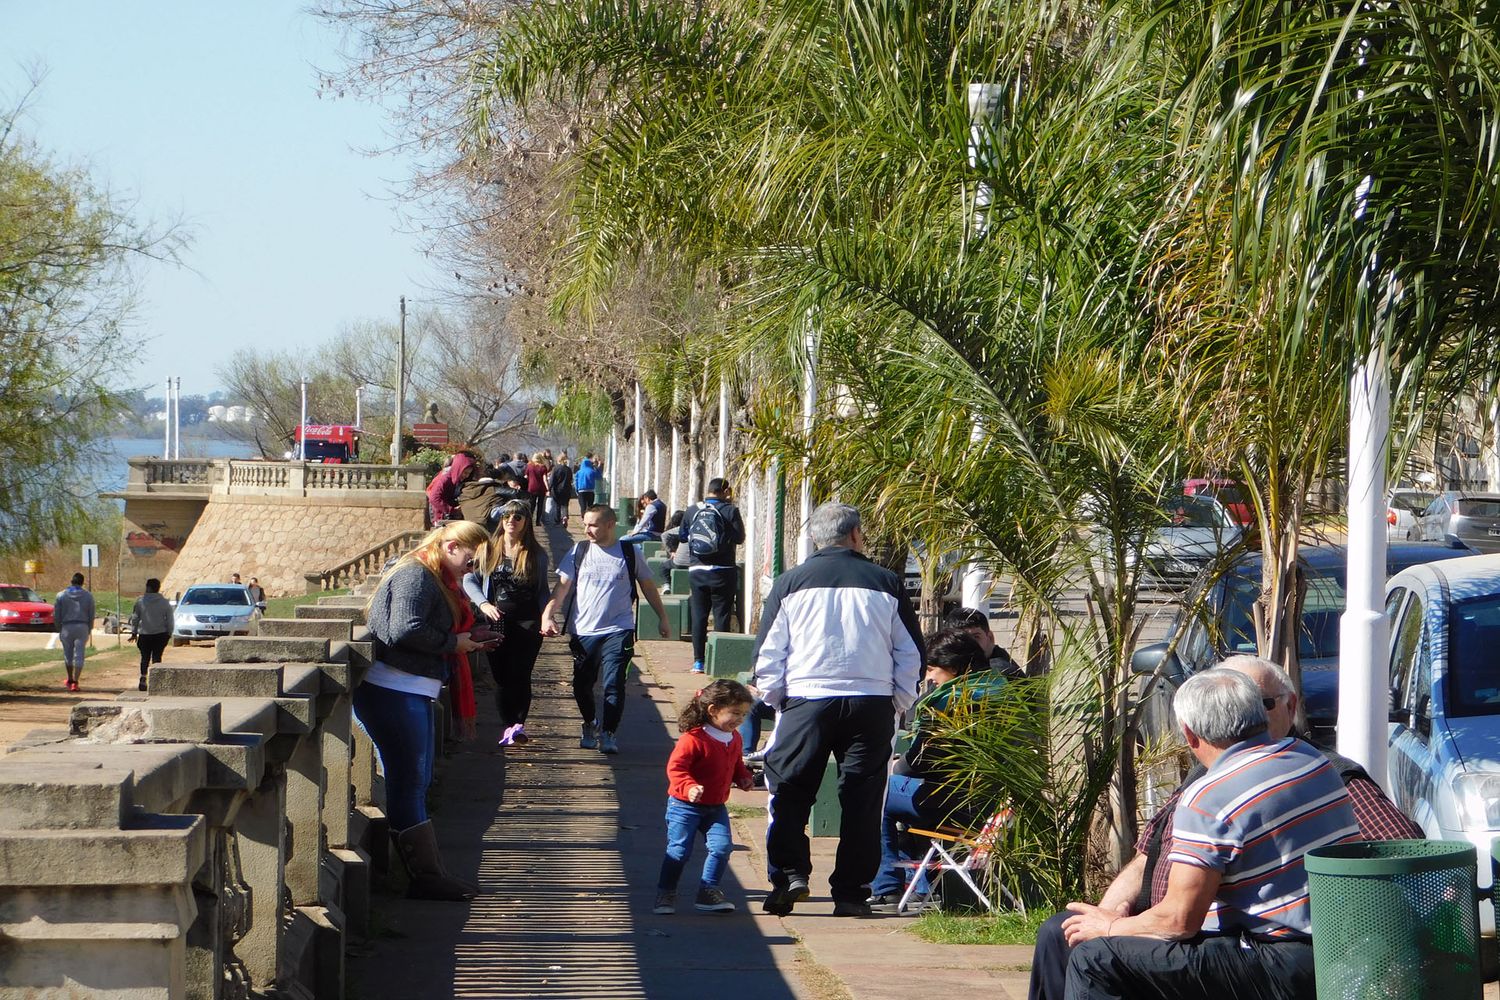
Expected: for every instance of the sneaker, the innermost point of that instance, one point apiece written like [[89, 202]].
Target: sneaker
[[142, 685], [851, 908], [666, 902], [608, 743], [888, 903], [697, 666], [589, 738], [68, 684], [711, 900], [782, 898], [755, 757], [518, 734]]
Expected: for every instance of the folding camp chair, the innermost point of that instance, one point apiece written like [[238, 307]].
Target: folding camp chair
[[944, 846]]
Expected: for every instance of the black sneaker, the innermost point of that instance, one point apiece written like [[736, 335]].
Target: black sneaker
[[711, 900], [851, 908], [782, 898], [888, 903]]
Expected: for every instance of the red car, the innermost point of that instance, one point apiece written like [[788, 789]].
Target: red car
[[23, 610], [1228, 492]]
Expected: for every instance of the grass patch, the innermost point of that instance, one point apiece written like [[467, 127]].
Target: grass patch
[[999, 928], [747, 812], [286, 607]]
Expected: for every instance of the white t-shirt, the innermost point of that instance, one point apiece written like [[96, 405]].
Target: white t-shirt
[[601, 591]]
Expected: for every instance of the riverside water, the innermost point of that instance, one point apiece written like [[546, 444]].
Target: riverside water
[[111, 470]]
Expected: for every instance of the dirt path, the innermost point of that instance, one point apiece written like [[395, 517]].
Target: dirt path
[[34, 698]]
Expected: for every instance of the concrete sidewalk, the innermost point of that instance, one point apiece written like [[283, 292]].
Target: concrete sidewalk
[[876, 958]]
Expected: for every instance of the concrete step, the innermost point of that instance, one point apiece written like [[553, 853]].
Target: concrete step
[[332, 629], [353, 614], [342, 601], [270, 649]]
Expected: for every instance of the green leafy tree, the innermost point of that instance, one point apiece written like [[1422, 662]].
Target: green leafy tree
[[66, 248]]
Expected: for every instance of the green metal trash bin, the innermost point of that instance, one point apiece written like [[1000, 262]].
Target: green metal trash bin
[[1395, 920]]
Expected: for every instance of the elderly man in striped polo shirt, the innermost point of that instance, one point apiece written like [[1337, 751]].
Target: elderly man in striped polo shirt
[[1235, 920]]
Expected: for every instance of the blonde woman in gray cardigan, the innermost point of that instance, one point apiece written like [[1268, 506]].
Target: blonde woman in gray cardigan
[[413, 617]]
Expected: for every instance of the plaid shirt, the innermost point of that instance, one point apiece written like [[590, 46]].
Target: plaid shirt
[[1378, 819]]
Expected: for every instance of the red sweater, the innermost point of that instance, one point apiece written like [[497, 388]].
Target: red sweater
[[699, 759]]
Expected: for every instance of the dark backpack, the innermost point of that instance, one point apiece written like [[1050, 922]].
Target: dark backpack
[[705, 536], [627, 549]]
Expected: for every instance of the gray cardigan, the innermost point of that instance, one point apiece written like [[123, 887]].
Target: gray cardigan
[[411, 623]]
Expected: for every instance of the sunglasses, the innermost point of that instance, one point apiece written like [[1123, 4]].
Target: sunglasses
[[1270, 703], [514, 517]]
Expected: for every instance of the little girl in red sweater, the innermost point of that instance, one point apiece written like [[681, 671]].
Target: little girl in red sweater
[[705, 762]]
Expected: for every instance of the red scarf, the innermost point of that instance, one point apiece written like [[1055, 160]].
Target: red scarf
[[460, 679]]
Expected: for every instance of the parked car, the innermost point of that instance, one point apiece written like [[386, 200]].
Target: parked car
[[1444, 759], [1196, 532], [24, 610], [1228, 492], [1223, 625], [1471, 519], [212, 610], [1402, 508]]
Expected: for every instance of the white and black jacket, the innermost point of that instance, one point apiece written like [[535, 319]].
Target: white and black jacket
[[838, 626]]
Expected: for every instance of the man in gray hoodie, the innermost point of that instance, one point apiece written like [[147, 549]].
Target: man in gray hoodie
[[73, 612]]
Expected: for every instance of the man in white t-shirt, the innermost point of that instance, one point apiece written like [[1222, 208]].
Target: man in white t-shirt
[[601, 621]]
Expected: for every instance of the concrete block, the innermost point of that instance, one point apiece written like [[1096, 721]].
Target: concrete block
[[313, 953], [236, 680], [270, 649], [357, 656], [652, 550], [157, 720], [342, 601], [163, 775], [728, 654], [826, 813], [682, 582], [677, 617], [62, 795], [332, 629], [354, 614], [350, 868], [157, 850]]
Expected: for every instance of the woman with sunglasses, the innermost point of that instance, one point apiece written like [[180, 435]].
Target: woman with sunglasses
[[509, 586], [419, 624]]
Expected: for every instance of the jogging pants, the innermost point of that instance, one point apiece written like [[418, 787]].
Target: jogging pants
[[714, 590], [75, 639], [857, 731]]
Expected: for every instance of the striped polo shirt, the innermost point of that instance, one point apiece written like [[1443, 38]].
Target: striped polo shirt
[[1259, 808]]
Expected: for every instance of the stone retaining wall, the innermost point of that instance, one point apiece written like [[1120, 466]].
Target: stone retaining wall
[[213, 838], [278, 539]]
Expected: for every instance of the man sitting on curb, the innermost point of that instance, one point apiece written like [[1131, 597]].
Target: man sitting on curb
[[1142, 883], [1235, 922]]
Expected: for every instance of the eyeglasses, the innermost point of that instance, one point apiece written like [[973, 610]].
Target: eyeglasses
[[515, 517]]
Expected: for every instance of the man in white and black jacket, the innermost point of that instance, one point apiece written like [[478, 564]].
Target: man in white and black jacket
[[839, 654]]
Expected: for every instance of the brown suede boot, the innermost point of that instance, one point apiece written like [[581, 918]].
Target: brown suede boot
[[418, 848]]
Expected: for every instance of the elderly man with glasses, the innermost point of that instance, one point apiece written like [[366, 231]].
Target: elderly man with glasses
[[1143, 882]]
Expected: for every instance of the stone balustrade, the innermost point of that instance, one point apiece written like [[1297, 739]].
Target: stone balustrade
[[229, 477], [212, 838]]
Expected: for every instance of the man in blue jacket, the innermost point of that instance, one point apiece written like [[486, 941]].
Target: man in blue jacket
[[839, 654]]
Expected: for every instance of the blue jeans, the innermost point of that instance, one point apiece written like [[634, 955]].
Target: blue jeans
[[684, 822], [900, 804], [641, 536], [610, 655], [400, 726], [750, 728]]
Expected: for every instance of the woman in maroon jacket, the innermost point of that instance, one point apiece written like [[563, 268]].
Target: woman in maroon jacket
[[442, 492]]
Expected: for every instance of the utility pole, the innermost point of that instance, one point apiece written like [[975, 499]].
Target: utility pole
[[400, 387], [166, 424], [302, 427], [358, 391]]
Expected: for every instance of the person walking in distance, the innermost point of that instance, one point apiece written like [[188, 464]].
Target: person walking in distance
[[838, 655], [509, 586], [73, 612], [712, 529], [601, 575], [257, 592], [705, 762], [150, 626], [586, 482], [560, 485]]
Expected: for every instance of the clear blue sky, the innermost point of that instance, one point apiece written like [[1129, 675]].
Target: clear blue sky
[[209, 113]]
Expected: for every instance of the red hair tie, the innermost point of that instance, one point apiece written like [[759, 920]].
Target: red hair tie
[[698, 693]]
